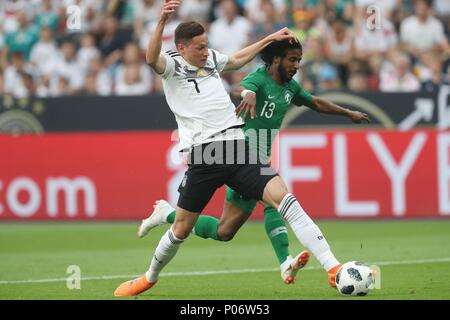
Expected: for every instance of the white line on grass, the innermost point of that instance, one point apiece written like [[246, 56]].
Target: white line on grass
[[214, 272]]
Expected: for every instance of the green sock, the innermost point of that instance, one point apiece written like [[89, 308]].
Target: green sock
[[171, 217], [205, 227], [277, 233]]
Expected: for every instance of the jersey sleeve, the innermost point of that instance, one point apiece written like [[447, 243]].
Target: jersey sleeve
[[302, 96], [170, 66], [220, 60], [253, 81]]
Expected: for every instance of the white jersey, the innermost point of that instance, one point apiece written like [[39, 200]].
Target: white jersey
[[201, 105]]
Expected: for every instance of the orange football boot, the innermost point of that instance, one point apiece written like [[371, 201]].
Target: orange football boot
[[332, 275], [133, 287]]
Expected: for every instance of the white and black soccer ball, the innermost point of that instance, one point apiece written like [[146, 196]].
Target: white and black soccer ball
[[354, 279]]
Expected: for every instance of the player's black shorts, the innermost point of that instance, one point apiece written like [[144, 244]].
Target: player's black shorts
[[214, 164]]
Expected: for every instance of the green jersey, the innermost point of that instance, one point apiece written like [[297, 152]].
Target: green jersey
[[272, 103]]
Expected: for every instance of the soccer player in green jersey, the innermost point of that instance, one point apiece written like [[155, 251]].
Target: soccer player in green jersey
[[266, 94]]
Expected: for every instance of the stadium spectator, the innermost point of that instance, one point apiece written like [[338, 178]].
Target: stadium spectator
[[9, 11], [375, 65], [90, 85], [195, 10], [14, 83], [358, 82], [309, 23], [253, 9], [333, 9], [123, 10], [423, 31], [313, 60], [372, 41], [231, 32], [68, 75], [61, 87], [442, 9], [2, 90], [23, 39], [87, 50], [45, 52], [145, 12], [269, 25], [327, 78], [339, 46], [3, 50], [132, 57], [168, 41], [29, 84], [90, 13], [430, 71], [302, 27], [133, 83], [113, 40], [103, 79], [387, 7], [47, 16], [308, 30], [398, 77], [332, 32]]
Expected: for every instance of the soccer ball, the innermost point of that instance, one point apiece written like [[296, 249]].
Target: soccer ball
[[354, 279]]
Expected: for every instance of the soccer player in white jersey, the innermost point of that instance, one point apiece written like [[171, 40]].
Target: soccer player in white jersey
[[209, 130]]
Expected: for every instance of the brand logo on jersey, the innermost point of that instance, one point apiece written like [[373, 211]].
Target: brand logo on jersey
[[288, 97], [202, 72], [271, 97]]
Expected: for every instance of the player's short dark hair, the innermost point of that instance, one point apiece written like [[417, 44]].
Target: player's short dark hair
[[278, 49], [188, 30]]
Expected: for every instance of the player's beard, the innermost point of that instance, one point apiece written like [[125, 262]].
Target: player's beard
[[284, 76]]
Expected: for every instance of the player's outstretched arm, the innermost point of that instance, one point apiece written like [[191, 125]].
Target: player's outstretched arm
[[325, 106], [247, 105], [153, 56], [247, 54]]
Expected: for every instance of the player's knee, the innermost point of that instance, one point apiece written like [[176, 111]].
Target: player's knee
[[181, 232], [274, 192], [225, 235]]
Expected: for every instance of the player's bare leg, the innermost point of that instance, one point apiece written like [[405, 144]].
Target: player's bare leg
[[165, 251], [231, 221], [306, 231], [207, 227], [233, 217]]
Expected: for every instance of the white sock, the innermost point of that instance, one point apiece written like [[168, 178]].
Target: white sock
[[307, 232], [165, 251]]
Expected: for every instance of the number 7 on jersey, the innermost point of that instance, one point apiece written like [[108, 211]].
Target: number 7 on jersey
[[195, 83]]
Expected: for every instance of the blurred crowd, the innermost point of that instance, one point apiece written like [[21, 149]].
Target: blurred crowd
[[51, 48]]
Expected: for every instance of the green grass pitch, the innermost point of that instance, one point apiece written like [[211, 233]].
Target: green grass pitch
[[414, 257]]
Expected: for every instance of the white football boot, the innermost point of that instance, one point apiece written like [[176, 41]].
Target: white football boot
[[157, 218], [290, 267]]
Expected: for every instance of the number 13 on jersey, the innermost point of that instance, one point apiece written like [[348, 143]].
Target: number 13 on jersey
[[267, 110]]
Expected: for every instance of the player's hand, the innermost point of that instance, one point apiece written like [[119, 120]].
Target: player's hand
[[284, 34], [359, 117], [168, 8], [247, 105]]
